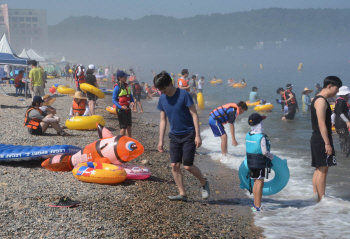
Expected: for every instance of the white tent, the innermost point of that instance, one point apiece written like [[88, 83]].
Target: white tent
[[24, 54], [63, 59], [34, 55], [7, 56], [5, 46]]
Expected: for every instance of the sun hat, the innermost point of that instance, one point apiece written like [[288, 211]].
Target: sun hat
[[255, 119], [305, 90], [48, 100], [91, 66], [38, 99], [79, 95], [344, 90]]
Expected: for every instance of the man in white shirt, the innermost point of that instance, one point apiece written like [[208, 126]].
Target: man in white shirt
[[200, 84]]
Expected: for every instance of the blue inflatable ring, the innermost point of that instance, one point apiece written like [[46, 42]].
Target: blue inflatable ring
[[273, 186]]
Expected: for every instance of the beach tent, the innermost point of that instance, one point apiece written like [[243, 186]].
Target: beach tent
[[35, 56], [63, 60], [51, 68], [7, 55], [24, 54]]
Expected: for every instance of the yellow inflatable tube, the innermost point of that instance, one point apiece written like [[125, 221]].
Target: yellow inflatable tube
[[200, 100], [105, 173], [252, 104], [213, 82], [238, 85], [51, 77], [84, 122], [92, 89], [65, 90], [267, 106], [111, 110]]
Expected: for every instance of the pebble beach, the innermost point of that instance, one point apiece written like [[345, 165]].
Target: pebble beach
[[131, 209]]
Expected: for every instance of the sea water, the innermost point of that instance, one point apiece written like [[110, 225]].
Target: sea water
[[294, 212]]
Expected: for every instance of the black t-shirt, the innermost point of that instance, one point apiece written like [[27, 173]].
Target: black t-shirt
[[316, 134], [231, 117], [90, 79], [341, 108]]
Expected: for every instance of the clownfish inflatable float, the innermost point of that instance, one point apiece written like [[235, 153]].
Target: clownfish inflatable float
[[108, 149]]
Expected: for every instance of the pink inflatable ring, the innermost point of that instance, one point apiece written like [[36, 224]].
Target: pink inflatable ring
[[136, 171]]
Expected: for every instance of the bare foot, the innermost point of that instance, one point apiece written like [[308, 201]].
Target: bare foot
[[140, 111]]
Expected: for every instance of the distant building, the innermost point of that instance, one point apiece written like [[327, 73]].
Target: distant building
[[25, 28]]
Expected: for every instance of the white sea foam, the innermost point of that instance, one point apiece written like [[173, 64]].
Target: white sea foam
[[294, 212]]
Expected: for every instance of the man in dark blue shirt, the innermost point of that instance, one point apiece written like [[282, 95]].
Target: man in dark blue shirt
[[177, 105]]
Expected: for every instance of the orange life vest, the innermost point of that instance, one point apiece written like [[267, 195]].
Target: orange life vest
[[184, 83], [291, 101], [132, 77], [32, 123], [79, 107], [221, 114]]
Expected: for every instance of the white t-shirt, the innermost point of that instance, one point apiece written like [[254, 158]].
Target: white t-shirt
[[200, 82]]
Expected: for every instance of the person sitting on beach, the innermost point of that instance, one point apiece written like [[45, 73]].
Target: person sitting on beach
[[306, 99], [253, 96], [342, 120], [91, 80], [150, 91], [177, 106], [80, 106], [123, 99], [18, 80], [322, 149], [226, 114], [258, 151], [38, 121]]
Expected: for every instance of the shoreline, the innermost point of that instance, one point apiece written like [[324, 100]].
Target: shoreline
[[132, 209]]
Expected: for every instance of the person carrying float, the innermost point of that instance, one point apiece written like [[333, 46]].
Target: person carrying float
[[79, 76], [258, 157], [80, 105], [123, 99], [226, 114]]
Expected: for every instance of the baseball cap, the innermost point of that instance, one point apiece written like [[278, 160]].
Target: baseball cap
[[38, 99], [121, 74], [255, 119], [91, 66], [289, 85]]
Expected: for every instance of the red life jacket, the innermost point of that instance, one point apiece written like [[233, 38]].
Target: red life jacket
[[137, 88], [31, 123], [124, 96], [79, 79], [291, 101], [79, 107]]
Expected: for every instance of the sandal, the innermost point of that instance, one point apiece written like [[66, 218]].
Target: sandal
[[62, 133]]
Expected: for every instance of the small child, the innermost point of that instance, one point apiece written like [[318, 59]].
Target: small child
[[79, 106], [258, 156]]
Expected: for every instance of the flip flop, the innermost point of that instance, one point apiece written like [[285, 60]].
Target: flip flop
[[65, 202]]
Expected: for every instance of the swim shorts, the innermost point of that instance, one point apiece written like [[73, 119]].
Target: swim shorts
[[291, 113], [37, 131], [124, 118], [217, 128], [137, 97], [182, 148], [257, 173], [91, 96], [319, 156]]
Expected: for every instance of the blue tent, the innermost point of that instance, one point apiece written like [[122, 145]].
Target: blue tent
[[7, 56]]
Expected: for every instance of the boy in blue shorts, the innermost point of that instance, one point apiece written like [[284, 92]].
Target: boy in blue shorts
[[226, 114], [258, 152], [177, 105]]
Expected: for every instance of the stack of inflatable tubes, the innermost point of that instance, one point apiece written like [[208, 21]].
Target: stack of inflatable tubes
[[85, 87], [273, 186], [84, 122], [9, 152]]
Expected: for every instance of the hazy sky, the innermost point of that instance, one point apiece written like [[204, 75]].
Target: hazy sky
[[57, 10]]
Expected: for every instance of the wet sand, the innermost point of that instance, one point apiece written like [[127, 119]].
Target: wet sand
[[132, 209]]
